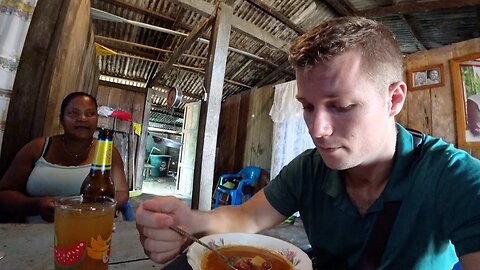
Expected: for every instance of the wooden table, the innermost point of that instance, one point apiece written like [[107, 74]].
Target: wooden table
[[30, 246]]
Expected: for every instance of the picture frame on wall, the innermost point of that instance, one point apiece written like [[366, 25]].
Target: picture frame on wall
[[465, 76], [424, 78]]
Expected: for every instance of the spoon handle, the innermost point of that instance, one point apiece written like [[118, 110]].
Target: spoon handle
[[196, 240]]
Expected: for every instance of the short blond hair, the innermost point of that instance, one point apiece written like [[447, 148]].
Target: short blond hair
[[375, 42]]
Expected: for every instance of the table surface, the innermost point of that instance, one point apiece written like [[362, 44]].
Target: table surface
[[30, 246]]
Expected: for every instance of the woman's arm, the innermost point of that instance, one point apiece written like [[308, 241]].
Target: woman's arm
[[118, 176], [13, 194]]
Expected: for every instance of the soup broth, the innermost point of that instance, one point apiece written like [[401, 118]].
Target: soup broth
[[212, 262]]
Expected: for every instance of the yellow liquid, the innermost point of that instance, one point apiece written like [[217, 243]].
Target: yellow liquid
[[92, 230]]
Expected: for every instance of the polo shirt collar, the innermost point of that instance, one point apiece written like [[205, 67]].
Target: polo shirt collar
[[397, 185]]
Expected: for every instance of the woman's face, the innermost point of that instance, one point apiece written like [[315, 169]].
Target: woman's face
[[80, 118]]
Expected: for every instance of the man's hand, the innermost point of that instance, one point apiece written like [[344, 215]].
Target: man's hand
[[154, 217]]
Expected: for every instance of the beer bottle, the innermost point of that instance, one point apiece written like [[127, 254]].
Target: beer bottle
[[98, 182]]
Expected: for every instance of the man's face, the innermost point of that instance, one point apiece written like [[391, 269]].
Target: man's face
[[434, 75], [345, 112]]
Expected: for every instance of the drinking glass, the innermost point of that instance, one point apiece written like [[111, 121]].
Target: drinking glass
[[83, 232]]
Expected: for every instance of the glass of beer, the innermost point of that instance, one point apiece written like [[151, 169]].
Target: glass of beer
[[83, 232]]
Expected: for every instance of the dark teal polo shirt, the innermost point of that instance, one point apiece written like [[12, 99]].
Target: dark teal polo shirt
[[440, 194]]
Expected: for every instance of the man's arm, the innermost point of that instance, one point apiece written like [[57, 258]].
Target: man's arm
[[470, 261], [252, 216]]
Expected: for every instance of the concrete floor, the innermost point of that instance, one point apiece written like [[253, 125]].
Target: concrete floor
[[156, 186]]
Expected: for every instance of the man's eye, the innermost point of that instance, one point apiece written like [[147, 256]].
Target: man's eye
[[90, 114], [344, 108], [72, 114]]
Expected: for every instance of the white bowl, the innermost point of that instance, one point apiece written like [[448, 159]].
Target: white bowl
[[296, 256]]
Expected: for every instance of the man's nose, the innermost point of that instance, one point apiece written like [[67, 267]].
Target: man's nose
[[320, 124]]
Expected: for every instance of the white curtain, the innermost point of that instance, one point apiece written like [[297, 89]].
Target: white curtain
[[15, 17], [290, 133]]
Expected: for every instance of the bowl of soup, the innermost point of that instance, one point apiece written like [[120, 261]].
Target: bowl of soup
[[250, 252]]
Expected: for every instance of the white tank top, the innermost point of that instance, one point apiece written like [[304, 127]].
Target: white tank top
[[47, 179]]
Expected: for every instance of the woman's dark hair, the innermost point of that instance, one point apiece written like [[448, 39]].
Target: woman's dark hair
[[70, 97]]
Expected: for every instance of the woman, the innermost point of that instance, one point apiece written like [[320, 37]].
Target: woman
[[47, 168]]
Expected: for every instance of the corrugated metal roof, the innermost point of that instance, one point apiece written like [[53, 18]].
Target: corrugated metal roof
[[429, 26]]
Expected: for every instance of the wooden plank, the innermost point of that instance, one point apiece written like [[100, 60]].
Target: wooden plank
[[201, 27], [442, 98], [227, 137], [27, 108], [142, 142], [210, 109], [108, 41], [405, 8], [419, 111], [238, 24], [259, 129]]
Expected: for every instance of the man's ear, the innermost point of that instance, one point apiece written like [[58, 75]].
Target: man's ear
[[397, 93]]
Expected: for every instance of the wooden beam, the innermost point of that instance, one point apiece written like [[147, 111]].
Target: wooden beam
[[277, 15], [406, 8], [189, 68], [140, 160], [272, 74], [201, 27], [149, 12], [210, 109], [189, 28], [414, 29], [143, 90], [342, 7], [238, 24], [125, 87], [108, 41]]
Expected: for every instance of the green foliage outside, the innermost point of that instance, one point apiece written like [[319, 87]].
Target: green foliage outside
[[470, 80]]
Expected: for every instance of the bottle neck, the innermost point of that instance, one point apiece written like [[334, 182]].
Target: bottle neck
[[102, 160]]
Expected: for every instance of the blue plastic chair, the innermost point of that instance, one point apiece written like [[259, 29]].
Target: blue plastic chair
[[238, 186], [127, 212]]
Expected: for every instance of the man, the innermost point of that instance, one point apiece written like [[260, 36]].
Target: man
[[433, 76], [349, 77]]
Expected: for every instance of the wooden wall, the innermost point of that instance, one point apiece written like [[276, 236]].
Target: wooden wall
[[125, 140], [58, 58], [433, 110], [245, 132]]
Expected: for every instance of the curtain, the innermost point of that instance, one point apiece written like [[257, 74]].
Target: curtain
[[290, 133], [15, 17]]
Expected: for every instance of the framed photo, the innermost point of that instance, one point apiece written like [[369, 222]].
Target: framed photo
[[465, 75], [429, 77]]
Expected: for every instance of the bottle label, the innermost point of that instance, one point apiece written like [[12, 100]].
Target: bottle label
[[102, 161]]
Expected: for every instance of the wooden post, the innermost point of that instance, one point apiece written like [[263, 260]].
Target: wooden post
[[210, 109], [142, 142]]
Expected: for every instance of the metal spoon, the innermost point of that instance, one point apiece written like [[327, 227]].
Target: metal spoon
[[229, 261]]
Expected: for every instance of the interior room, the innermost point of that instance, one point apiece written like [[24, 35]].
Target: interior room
[[199, 90]]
